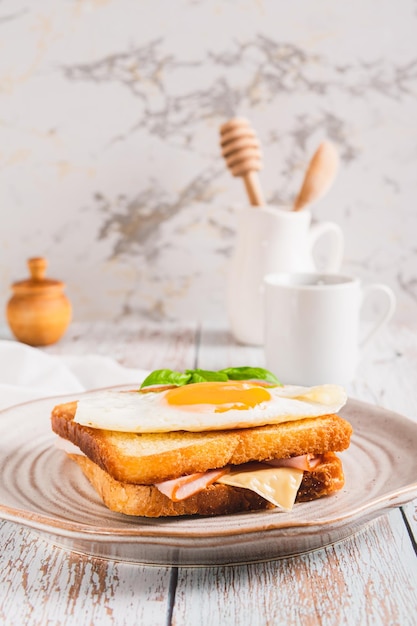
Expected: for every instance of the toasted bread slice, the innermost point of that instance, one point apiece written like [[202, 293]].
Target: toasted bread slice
[[217, 499], [146, 459]]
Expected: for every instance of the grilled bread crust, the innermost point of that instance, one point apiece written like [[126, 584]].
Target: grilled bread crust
[[217, 499], [146, 459]]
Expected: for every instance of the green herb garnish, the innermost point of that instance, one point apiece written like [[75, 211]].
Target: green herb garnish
[[250, 373], [170, 377], [166, 377], [205, 376]]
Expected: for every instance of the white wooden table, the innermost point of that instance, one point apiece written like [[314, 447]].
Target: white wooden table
[[370, 578]]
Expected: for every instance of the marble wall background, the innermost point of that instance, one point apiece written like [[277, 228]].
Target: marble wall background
[[109, 156]]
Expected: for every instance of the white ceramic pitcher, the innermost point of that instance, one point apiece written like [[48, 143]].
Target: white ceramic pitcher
[[272, 239]]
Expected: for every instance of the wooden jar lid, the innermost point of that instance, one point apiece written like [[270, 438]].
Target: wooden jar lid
[[37, 282]]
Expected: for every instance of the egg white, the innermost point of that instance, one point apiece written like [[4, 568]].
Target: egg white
[[136, 412]]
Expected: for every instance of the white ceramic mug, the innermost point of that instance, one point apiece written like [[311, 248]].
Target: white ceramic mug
[[312, 325], [273, 239]]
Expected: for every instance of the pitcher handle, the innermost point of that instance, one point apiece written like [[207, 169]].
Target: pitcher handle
[[320, 229], [387, 313]]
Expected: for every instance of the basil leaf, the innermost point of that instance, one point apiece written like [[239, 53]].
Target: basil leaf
[[204, 376], [250, 373], [166, 377], [170, 377]]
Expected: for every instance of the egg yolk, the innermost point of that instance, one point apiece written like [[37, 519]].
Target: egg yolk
[[223, 396]]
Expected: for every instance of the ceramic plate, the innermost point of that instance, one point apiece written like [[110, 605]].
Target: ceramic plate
[[45, 491]]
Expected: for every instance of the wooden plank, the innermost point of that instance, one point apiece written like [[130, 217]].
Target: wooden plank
[[410, 513], [133, 344], [368, 579], [42, 584]]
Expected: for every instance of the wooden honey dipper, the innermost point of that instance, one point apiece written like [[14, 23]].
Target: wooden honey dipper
[[242, 153]]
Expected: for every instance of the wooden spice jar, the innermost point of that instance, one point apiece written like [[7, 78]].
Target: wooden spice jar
[[38, 311]]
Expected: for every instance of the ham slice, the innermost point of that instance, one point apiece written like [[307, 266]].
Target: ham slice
[[181, 488], [186, 486]]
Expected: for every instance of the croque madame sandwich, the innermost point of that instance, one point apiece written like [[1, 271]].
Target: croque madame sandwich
[[207, 443]]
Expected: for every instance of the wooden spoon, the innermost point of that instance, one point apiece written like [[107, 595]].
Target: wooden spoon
[[242, 153], [320, 175]]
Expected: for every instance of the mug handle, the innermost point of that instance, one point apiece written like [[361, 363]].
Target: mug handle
[[337, 246], [387, 313]]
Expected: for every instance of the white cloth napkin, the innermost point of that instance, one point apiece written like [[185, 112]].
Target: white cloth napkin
[[28, 373]]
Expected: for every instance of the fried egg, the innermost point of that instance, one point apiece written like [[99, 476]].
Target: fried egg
[[206, 406]]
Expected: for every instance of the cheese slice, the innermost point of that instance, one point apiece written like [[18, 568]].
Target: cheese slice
[[278, 485]]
